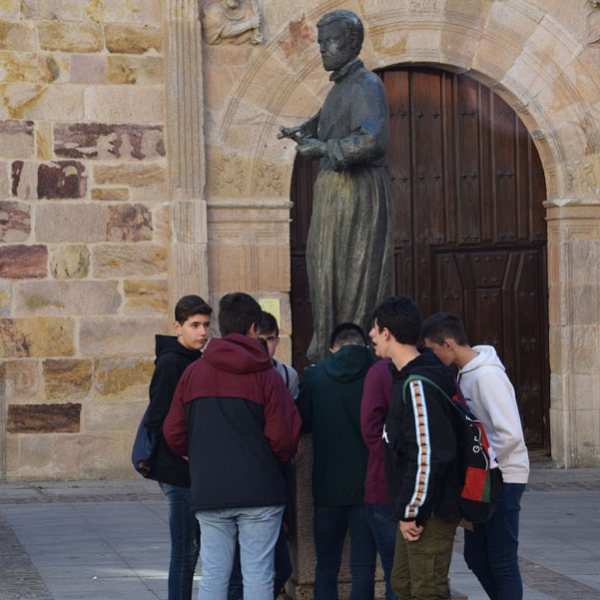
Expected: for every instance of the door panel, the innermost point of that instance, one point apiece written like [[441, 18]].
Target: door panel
[[470, 234]]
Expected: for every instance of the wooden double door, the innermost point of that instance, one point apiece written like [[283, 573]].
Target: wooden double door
[[470, 233]]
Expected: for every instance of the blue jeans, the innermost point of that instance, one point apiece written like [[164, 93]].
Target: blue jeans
[[257, 530], [491, 548], [330, 525], [283, 569], [384, 525], [185, 541]]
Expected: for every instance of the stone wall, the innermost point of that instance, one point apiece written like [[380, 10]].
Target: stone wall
[[139, 162], [84, 230]]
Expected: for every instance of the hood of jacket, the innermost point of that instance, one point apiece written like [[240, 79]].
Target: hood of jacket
[[167, 344], [427, 364], [349, 363], [486, 357], [237, 353]]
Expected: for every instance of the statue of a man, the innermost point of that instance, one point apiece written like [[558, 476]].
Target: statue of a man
[[350, 249]]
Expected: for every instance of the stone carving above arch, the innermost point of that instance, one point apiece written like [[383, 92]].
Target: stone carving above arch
[[231, 21], [228, 174], [582, 181], [424, 5], [269, 180]]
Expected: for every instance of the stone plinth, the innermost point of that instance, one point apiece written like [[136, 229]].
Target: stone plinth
[[301, 585]]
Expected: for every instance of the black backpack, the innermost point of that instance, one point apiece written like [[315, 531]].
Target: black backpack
[[143, 453], [482, 485]]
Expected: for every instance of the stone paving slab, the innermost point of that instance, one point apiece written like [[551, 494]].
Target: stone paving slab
[[108, 540], [19, 579], [97, 550], [559, 537], [79, 491]]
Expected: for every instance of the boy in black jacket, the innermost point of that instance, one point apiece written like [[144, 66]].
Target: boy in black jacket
[[420, 450], [173, 356]]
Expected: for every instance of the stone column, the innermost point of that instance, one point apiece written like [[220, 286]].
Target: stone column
[[574, 315], [186, 152]]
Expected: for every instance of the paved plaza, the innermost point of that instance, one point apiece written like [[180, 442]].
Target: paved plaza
[[108, 540]]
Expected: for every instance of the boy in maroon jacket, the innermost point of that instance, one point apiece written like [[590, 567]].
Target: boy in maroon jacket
[[234, 418], [376, 398]]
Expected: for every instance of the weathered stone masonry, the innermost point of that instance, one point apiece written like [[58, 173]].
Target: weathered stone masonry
[[84, 230], [138, 163]]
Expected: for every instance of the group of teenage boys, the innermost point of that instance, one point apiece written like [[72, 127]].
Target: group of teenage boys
[[384, 454]]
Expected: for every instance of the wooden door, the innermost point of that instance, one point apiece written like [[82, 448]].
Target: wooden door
[[470, 234]]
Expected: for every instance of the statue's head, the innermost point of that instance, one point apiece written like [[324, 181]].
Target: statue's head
[[341, 35]]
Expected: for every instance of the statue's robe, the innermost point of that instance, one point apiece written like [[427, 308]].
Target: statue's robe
[[350, 245]]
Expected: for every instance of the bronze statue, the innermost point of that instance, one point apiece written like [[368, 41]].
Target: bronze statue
[[350, 250]]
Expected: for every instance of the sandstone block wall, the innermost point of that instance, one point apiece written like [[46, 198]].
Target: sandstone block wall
[[138, 163], [84, 231]]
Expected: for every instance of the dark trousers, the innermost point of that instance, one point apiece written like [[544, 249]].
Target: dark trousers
[[384, 525], [491, 548], [330, 525], [185, 541]]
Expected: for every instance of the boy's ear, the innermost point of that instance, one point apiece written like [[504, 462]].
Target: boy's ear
[[177, 327], [449, 343]]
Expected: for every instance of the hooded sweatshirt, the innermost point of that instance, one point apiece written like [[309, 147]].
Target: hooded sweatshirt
[[172, 358], [234, 418], [491, 397], [329, 403]]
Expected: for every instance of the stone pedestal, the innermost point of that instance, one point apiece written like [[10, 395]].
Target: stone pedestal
[[301, 584]]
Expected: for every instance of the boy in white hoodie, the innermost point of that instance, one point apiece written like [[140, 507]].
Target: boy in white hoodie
[[491, 548]]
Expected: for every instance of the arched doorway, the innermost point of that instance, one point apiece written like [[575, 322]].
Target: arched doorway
[[470, 233]]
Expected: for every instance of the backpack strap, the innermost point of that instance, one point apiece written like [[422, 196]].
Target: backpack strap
[[424, 379], [286, 374], [459, 406]]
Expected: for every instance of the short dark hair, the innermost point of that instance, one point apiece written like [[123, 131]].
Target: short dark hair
[[346, 334], [237, 313], [268, 324], [401, 316], [349, 22], [263, 343], [443, 325], [191, 305]]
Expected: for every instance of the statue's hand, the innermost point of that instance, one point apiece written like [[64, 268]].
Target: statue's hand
[[312, 149], [293, 133]]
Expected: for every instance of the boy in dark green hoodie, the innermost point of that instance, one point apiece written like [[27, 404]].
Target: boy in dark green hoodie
[[329, 404]]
